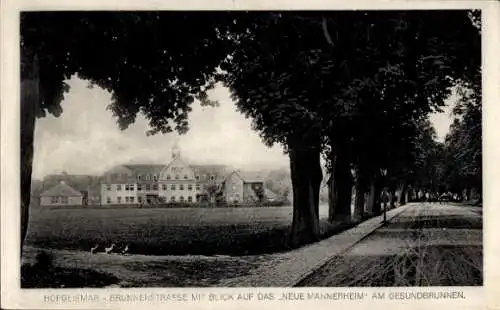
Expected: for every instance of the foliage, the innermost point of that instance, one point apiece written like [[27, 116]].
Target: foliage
[[463, 146], [152, 62]]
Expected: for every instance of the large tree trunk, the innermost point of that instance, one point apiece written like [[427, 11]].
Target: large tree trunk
[[403, 195], [306, 175], [371, 198], [359, 204], [30, 98], [377, 207], [342, 179], [331, 197], [392, 196]]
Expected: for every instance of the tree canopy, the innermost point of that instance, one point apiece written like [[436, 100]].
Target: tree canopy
[[355, 87]]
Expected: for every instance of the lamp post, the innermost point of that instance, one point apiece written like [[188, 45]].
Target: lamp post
[[383, 172]]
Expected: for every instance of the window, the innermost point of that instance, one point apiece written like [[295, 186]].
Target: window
[[155, 178], [172, 187], [181, 187], [181, 199], [197, 198], [139, 187], [177, 177], [168, 176], [54, 199], [139, 199], [148, 187], [119, 199], [131, 199], [126, 199], [190, 199], [212, 177], [197, 187], [190, 187], [108, 200], [131, 187], [185, 177], [139, 177], [155, 187], [108, 187], [197, 178], [126, 187], [172, 198], [118, 187], [164, 187]]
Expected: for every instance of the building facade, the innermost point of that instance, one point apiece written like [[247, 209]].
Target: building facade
[[88, 185], [243, 187], [177, 182], [61, 195]]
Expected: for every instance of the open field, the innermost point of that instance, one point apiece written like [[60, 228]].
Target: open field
[[204, 231]]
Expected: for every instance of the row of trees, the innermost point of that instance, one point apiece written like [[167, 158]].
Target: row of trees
[[454, 165], [352, 87]]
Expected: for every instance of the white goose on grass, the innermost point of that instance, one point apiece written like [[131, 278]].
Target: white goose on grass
[[110, 249], [92, 250]]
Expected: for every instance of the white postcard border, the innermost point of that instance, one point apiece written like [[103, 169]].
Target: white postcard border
[[12, 297]]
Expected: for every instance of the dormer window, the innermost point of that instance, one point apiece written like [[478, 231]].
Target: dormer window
[[168, 176], [155, 178], [147, 177], [197, 178], [185, 177], [212, 177], [139, 177], [177, 177]]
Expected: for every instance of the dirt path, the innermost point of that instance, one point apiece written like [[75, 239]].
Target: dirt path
[[428, 245]]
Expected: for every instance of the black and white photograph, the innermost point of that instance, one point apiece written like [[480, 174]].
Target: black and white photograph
[[271, 148]]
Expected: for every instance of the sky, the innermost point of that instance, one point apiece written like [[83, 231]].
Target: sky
[[85, 139]]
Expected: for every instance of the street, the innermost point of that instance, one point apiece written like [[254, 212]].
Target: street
[[429, 244]]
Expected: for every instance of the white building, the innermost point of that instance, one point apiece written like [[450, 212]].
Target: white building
[[175, 182], [61, 195]]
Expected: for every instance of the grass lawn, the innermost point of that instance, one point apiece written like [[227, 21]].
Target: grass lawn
[[204, 231]]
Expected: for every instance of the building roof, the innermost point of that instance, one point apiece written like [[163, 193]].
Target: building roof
[[251, 176], [210, 169], [89, 183], [144, 169], [61, 189], [205, 171], [270, 194]]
